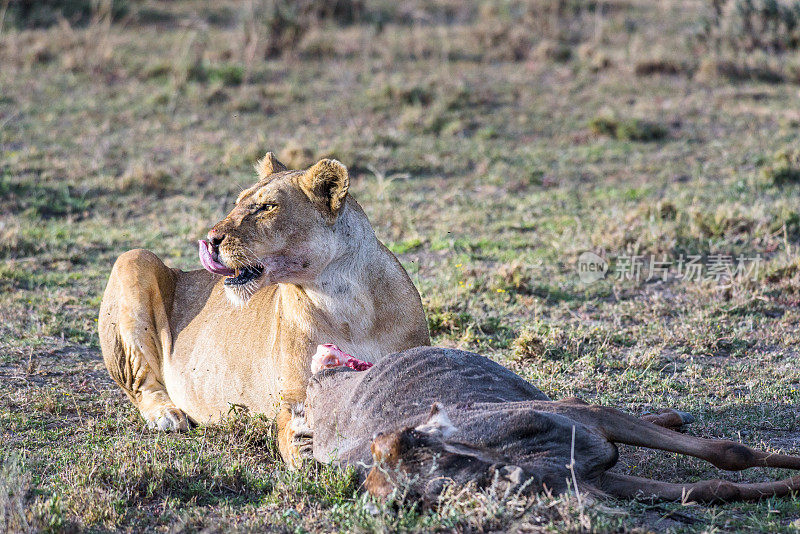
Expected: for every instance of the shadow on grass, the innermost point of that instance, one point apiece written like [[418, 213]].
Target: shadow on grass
[[42, 201], [207, 485]]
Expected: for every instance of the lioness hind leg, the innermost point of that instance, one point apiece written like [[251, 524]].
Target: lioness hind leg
[[135, 334]]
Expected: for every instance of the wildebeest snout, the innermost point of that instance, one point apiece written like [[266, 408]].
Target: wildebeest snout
[[422, 463]]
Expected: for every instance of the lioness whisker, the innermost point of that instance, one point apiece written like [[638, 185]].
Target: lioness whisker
[[255, 259]]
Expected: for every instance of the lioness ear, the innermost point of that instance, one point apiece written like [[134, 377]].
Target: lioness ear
[[326, 185], [269, 164]]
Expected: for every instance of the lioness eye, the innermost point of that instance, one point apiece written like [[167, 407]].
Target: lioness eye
[[265, 208]]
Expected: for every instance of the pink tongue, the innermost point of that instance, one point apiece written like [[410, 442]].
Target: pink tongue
[[209, 263]]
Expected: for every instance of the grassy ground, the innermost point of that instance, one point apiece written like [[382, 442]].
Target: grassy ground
[[489, 150]]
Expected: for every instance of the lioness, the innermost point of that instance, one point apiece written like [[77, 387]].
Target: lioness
[[294, 264]]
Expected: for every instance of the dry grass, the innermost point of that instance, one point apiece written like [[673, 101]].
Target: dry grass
[[466, 129]]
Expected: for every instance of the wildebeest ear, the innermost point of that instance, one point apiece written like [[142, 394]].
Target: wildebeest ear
[[267, 165], [326, 184], [438, 423]]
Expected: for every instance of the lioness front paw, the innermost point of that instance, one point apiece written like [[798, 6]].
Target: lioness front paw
[[300, 438], [168, 419]]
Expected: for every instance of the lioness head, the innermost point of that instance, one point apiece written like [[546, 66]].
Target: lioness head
[[282, 229]]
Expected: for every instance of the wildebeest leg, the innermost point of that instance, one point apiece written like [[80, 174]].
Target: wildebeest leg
[[620, 427], [666, 418], [707, 491]]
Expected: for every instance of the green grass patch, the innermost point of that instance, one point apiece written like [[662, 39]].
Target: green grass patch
[[43, 201], [784, 169], [628, 129], [402, 247], [224, 74]]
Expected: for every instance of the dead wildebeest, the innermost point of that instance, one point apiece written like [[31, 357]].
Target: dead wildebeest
[[493, 428]]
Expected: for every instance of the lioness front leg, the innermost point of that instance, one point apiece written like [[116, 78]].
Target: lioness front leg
[[295, 438], [134, 335]]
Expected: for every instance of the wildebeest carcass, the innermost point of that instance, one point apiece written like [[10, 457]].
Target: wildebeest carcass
[[427, 417]]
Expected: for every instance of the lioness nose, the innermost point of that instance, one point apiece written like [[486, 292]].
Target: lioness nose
[[215, 238]]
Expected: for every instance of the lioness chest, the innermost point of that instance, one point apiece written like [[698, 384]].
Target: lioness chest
[[223, 355]]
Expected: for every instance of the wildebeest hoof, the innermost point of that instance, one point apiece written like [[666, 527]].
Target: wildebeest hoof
[[687, 418], [669, 418]]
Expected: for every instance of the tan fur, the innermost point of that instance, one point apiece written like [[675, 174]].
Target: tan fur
[[184, 344]]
